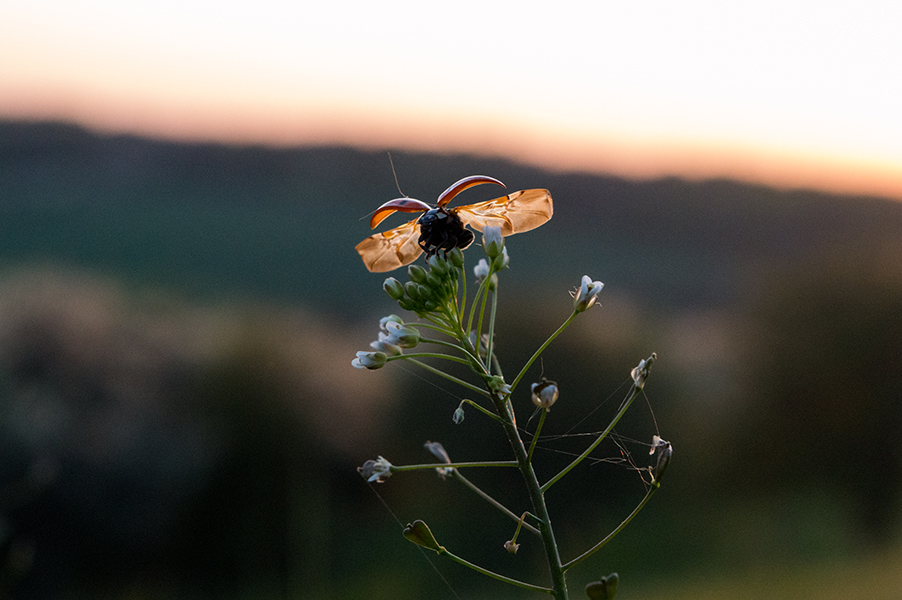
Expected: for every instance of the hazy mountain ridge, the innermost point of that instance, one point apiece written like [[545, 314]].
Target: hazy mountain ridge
[[209, 218]]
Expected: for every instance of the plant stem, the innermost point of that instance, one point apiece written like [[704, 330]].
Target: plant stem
[[459, 476], [594, 444], [441, 373], [491, 333], [535, 436], [459, 465], [542, 349], [483, 410], [611, 535], [498, 576], [536, 496]]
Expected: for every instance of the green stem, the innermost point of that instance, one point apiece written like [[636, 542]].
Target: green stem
[[536, 496], [469, 355], [485, 298], [535, 436], [611, 535], [542, 349], [433, 327], [460, 465], [492, 574], [463, 297], [484, 410], [450, 357], [594, 444], [481, 290], [456, 380], [457, 475], [490, 345]]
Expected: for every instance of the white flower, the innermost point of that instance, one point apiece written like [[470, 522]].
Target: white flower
[[376, 470], [481, 270], [384, 321], [384, 345], [544, 394], [369, 360], [401, 335], [438, 451], [587, 294], [492, 241]]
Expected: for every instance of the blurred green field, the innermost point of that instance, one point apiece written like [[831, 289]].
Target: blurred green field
[[877, 576]]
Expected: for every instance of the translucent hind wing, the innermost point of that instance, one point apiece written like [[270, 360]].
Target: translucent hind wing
[[515, 213], [391, 249]]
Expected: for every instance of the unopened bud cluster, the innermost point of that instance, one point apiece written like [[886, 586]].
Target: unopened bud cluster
[[430, 289]]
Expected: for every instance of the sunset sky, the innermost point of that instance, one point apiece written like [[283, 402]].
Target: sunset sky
[[794, 94]]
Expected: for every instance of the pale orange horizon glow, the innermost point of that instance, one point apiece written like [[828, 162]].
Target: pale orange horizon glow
[[805, 100]]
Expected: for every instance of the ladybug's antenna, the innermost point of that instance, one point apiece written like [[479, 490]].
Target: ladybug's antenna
[[398, 185]]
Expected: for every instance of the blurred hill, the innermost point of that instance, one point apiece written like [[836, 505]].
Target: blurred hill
[[177, 323], [281, 223]]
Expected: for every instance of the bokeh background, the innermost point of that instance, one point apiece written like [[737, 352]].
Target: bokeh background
[[182, 186]]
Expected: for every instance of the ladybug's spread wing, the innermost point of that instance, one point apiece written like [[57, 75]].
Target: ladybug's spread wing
[[516, 213], [391, 249]]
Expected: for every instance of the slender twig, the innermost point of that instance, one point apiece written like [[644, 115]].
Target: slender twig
[[450, 357], [447, 344], [459, 465], [483, 409], [597, 441], [498, 576], [611, 535], [491, 332], [449, 377], [542, 349], [535, 436], [459, 476]]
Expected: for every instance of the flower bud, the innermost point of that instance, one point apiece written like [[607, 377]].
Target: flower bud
[[456, 257], [587, 294], [369, 360], [502, 260], [492, 241], [544, 394], [458, 416], [416, 273], [438, 451], [664, 450], [439, 264], [393, 288], [433, 280], [412, 292], [640, 373]]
